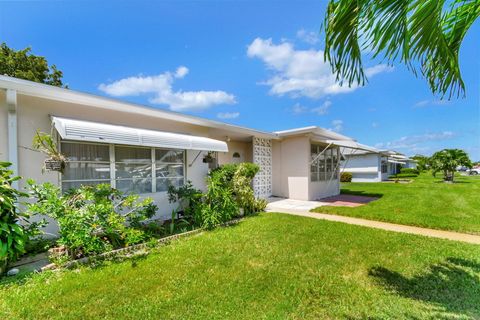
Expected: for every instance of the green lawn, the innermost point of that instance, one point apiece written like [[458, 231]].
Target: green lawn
[[426, 202], [272, 266]]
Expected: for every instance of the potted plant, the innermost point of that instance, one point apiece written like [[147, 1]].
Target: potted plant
[[44, 142], [209, 157]]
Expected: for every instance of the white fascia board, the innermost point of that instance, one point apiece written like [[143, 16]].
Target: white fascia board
[[395, 161], [350, 144], [40, 90], [71, 129]]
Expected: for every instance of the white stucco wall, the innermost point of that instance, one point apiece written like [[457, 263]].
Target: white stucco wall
[[290, 168], [364, 168], [243, 148], [291, 172]]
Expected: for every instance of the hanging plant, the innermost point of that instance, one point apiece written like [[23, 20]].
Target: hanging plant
[[44, 143], [209, 157]]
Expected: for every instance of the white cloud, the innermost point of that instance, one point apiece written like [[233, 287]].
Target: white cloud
[[337, 125], [323, 109], [309, 37], [300, 72], [415, 143], [427, 103], [228, 115], [298, 109], [161, 88]]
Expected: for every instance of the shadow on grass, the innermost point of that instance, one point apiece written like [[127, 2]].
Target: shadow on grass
[[452, 285], [454, 182], [361, 193]]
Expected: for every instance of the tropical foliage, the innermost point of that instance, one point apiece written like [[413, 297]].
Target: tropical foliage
[[46, 144], [447, 160], [25, 65], [229, 190], [425, 35], [92, 219], [15, 228]]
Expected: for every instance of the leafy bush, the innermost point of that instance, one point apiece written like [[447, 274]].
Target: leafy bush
[[187, 197], [346, 177], [260, 205], [242, 186], [409, 171], [15, 228], [92, 219], [219, 203]]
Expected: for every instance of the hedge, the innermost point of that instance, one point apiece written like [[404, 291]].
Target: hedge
[[409, 171]]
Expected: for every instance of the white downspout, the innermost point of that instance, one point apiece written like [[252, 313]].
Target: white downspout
[[12, 132]]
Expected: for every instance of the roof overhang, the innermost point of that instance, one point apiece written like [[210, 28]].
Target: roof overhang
[[395, 161], [349, 144], [71, 129]]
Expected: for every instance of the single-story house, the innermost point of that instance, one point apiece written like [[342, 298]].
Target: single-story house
[[144, 150], [374, 165]]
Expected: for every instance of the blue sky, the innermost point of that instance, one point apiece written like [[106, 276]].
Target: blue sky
[[251, 63]]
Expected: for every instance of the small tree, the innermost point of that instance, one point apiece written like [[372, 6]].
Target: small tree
[[24, 65], [423, 162], [447, 161]]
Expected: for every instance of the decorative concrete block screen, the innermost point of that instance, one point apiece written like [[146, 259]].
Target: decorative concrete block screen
[[262, 156]]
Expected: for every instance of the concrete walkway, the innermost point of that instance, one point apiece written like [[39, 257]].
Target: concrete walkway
[[301, 208]]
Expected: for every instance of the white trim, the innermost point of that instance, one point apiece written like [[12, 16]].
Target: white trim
[[111, 151], [71, 129], [12, 132]]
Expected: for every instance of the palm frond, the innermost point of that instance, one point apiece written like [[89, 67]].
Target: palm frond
[[418, 33]]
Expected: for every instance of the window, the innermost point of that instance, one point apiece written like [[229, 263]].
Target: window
[[87, 164], [133, 169], [324, 163], [384, 166], [169, 169], [129, 169]]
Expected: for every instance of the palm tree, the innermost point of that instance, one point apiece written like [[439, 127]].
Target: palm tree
[[425, 35], [447, 161]]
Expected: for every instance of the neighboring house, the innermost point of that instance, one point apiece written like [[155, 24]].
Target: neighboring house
[[144, 150], [374, 165]]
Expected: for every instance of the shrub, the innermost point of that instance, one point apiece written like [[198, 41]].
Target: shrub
[[242, 186], [187, 197], [346, 177], [219, 202], [15, 227], [92, 219], [260, 205], [409, 171]]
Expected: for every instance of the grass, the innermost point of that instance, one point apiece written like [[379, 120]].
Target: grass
[[425, 202], [272, 266]]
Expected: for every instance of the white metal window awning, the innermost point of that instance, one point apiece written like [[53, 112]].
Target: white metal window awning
[[70, 129]]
